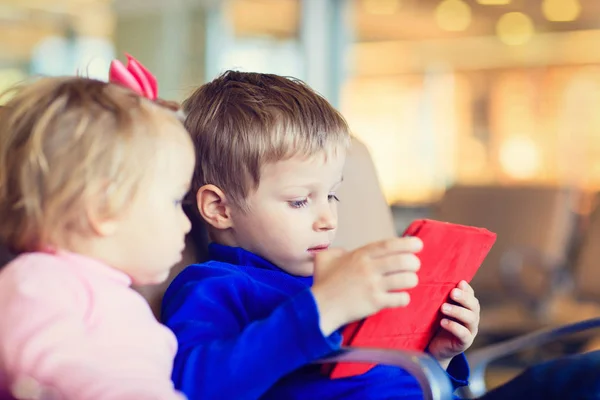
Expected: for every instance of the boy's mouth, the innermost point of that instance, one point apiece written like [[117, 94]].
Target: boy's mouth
[[316, 249]]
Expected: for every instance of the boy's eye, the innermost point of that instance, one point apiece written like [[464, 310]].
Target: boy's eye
[[298, 203], [333, 197]]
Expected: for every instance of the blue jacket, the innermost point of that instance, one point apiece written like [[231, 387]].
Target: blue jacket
[[249, 330]]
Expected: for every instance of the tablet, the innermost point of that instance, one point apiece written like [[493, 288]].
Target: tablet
[[451, 253]]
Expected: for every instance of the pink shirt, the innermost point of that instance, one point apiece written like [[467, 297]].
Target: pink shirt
[[73, 327]]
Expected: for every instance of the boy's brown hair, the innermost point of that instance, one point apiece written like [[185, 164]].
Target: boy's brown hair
[[68, 147], [241, 121]]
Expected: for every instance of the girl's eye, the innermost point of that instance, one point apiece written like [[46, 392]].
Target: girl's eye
[[180, 202], [183, 201], [298, 203], [333, 197]]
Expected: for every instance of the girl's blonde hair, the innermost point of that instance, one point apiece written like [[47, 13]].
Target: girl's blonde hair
[[70, 147]]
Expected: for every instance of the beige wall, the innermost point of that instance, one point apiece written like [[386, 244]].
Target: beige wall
[[169, 42]]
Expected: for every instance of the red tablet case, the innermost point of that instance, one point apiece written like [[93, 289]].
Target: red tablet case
[[451, 253]]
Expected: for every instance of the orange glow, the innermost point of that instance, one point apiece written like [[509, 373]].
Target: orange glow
[[381, 7], [514, 28], [561, 10], [519, 157], [453, 15], [493, 2]]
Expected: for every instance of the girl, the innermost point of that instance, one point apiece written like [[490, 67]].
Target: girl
[[91, 181]]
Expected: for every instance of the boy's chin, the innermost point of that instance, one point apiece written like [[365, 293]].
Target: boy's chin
[[301, 269]]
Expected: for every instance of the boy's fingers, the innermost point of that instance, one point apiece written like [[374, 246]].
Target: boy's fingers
[[401, 281], [466, 299], [462, 315], [459, 331], [395, 263], [397, 299], [464, 285], [393, 246]]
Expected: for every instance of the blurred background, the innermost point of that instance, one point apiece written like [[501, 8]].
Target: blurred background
[[482, 112], [442, 91]]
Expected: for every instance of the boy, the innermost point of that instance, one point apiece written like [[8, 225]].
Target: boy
[[272, 299]]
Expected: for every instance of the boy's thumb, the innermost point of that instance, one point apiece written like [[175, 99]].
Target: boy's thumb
[[324, 258]]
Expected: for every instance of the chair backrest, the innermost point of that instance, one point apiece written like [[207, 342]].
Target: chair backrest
[[364, 215], [587, 267], [538, 219]]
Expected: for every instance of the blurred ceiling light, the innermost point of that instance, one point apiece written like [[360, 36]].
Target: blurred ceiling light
[[493, 2], [519, 157], [561, 10], [381, 7], [514, 28], [453, 15]]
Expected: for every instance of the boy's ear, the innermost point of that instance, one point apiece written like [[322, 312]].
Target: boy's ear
[[213, 207]]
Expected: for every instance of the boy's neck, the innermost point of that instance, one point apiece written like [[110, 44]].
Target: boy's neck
[[223, 237]]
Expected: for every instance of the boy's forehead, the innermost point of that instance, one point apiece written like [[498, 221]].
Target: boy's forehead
[[321, 168]]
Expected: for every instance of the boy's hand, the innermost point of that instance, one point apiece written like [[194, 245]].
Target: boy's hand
[[352, 285], [457, 334]]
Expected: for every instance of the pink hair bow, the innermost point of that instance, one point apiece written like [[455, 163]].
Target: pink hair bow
[[135, 77]]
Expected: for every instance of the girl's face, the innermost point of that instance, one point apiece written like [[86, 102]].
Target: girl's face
[[150, 238]]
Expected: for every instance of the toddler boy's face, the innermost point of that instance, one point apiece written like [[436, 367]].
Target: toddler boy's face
[[292, 214]]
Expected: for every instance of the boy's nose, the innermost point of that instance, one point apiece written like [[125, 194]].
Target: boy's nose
[[326, 221]]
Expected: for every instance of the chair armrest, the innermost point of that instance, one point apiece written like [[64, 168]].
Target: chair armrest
[[479, 359], [427, 371]]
